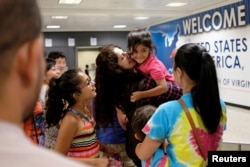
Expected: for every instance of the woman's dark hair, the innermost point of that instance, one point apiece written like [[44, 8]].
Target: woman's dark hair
[[140, 118], [60, 92], [49, 63], [199, 66], [137, 37], [111, 82]]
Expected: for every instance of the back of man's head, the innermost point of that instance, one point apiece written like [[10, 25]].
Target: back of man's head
[[20, 22]]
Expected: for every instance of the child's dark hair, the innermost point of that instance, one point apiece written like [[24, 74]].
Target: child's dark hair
[[140, 118], [199, 66], [60, 92], [49, 63], [137, 37]]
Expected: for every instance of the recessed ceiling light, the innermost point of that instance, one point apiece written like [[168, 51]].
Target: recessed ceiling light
[[119, 26], [141, 18], [59, 17], [176, 4], [53, 26], [69, 1]]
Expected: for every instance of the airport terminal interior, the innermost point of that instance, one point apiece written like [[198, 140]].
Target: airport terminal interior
[[99, 15], [125, 83]]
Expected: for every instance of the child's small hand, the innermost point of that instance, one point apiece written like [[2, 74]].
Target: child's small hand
[[136, 96]]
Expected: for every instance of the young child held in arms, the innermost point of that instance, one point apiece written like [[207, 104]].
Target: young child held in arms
[[140, 48], [139, 120]]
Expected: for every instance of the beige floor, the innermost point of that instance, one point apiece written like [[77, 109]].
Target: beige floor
[[237, 134]]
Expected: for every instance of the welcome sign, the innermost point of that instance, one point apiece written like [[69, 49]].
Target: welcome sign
[[225, 33]]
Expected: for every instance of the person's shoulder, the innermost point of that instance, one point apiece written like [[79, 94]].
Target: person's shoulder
[[155, 63], [26, 153], [45, 87], [170, 104], [70, 120], [152, 59], [169, 107]]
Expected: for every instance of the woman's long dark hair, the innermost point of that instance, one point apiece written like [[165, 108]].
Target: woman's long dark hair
[[60, 92], [112, 83], [200, 67]]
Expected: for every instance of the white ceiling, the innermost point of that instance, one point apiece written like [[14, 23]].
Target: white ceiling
[[101, 15]]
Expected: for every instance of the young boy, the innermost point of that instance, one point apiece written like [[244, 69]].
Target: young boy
[[139, 120]]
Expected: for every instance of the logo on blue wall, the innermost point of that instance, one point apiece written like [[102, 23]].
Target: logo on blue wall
[[165, 36], [165, 43]]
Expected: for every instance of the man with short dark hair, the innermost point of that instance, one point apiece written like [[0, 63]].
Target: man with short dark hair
[[21, 74], [60, 59]]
